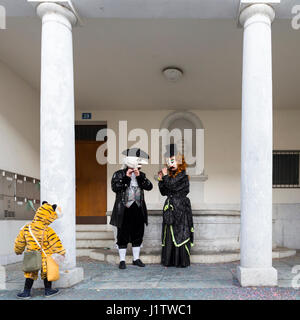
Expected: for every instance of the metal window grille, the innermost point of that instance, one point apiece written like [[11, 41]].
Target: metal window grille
[[286, 169]]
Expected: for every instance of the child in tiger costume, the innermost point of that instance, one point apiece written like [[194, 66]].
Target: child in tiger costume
[[45, 235]]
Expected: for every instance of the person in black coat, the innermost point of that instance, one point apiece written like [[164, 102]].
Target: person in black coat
[[129, 213], [177, 226]]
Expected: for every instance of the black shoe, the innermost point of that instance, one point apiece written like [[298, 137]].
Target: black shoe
[[24, 295], [138, 263], [51, 292], [122, 265]]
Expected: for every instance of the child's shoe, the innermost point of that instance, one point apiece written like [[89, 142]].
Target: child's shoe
[[51, 292], [24, 295]]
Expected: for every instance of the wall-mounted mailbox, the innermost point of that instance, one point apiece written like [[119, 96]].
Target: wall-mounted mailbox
[[1, 207], [29, 188], [20, 186], [8, 184], [1, 182], [9, 207], [15, 192], [23, 211], [36, 188]]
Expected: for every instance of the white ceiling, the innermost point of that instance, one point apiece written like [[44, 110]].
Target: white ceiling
[[118, 61], [203, 9]]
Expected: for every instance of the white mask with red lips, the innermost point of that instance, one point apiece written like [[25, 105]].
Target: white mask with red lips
[[172, 163]]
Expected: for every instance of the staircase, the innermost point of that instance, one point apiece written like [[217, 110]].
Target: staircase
[[91, 237], [98, 243]]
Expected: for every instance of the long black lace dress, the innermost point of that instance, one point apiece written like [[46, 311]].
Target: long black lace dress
[[177, 237]]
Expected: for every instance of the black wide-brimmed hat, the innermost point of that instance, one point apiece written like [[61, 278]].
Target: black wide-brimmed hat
[[171, 150], [135, 152]]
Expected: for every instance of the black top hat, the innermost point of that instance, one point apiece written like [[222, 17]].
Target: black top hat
[[171, 150], [135, 152]]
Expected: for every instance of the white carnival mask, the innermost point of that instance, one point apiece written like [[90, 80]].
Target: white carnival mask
[[171, 162], [134, 162]]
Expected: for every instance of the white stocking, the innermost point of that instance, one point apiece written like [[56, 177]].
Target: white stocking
[[122, 254], [136, 253]]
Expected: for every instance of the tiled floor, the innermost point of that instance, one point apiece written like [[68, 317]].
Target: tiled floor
[[199, 281]]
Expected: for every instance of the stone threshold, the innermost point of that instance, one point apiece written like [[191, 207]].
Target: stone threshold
[[154, 256]]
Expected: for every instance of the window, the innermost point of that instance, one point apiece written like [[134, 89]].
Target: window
[[87, 132], [286, 169]]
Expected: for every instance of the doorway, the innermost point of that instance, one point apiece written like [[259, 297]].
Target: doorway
[[91, 177]]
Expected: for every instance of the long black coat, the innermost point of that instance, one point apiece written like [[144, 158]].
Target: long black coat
[[119, 183], [176, 189]]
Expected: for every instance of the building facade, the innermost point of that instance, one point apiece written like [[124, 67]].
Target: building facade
[[88, 64]]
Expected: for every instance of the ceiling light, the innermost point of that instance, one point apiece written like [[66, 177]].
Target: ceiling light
[[172, 74]]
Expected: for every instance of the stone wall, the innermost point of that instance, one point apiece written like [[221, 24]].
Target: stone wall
[[287, 225], [219, 230]]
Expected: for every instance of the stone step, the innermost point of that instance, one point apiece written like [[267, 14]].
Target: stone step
[[112, 256], [93, 244], [83, 252], [154, 257], [93, 227], [94, 235], [280, 252]]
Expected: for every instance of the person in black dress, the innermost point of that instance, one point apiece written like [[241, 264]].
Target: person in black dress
[[177, 226]]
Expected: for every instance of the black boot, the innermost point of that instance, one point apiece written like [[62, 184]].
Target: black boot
[[138, 263], [27, 288], [122, 265], [48, 291], [24, 295]]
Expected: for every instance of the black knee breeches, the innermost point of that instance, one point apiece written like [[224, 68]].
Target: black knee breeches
[[132, 229]]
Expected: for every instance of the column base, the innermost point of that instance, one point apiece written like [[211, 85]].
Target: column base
[[68, 278], [2, 278], [257, 276]]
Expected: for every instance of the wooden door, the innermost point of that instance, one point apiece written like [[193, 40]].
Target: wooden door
[[91, 184]]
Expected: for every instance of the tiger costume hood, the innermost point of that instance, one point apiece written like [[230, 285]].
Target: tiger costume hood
[[47, 213]]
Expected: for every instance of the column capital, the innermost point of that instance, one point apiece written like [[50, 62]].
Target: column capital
[[45, 8], [251, 9]]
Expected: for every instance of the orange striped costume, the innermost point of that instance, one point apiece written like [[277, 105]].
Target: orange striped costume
[[40, 228]]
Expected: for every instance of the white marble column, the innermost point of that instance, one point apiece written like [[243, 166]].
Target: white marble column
[[57, 139], [256, 149]]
